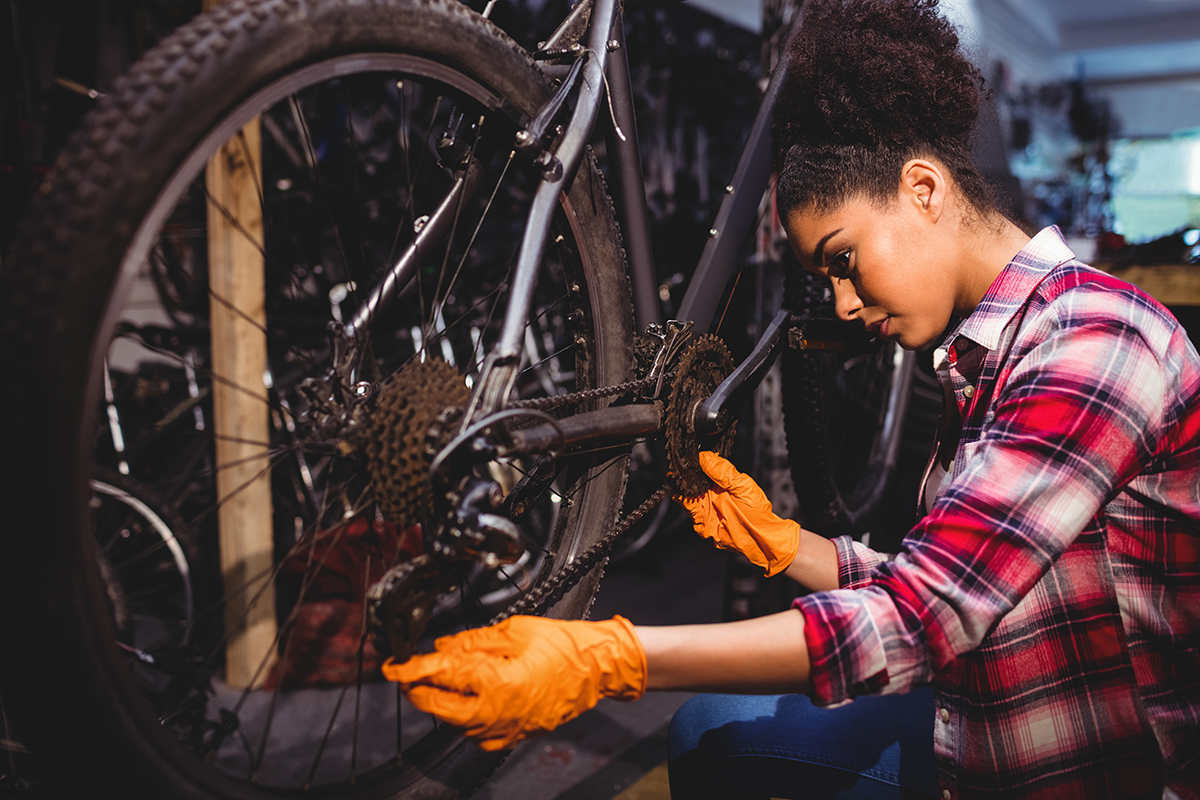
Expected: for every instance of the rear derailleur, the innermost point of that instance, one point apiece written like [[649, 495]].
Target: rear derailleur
[[425, 471], [471, 531]]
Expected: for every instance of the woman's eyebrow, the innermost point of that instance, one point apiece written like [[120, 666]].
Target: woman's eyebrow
[[818, 258]]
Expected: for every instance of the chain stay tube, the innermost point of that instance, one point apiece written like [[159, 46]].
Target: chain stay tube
[[500, 367], [612, 423]]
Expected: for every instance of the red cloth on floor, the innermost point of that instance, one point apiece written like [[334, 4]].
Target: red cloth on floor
[[322, 646]]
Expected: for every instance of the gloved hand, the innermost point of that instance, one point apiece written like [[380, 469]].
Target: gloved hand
[[525, 675], [736, 515]]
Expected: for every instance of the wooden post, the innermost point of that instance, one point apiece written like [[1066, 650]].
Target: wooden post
[[240, 412]]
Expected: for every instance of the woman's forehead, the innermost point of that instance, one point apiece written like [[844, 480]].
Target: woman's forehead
[[808, 227]]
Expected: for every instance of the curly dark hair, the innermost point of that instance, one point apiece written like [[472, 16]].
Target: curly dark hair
[[871, 85]]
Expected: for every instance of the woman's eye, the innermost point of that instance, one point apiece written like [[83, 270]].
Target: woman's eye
[[839, 265]]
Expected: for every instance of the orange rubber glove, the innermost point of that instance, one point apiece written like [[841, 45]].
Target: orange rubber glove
[[737, 515], [524, 675]]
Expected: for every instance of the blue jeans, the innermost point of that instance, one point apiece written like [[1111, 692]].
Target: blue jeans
[[737, 746]]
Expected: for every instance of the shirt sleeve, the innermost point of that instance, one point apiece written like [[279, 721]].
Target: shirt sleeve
[[1074, 422]]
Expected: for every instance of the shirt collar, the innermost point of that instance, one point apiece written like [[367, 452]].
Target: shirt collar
[[1013, 286]]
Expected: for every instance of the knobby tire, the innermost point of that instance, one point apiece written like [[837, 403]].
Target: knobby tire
[[64, 675]]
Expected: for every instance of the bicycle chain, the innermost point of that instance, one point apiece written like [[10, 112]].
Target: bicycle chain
[[706, 349], [543, 403], [551, 590]]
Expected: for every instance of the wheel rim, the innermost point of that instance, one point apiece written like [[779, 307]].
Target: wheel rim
[[144, 567], [866, 409], [346, 765]]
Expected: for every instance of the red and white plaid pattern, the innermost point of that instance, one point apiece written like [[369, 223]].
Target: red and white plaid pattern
[[1052, 595]]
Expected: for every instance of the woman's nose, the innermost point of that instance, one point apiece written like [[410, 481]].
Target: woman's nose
[[846, 301]]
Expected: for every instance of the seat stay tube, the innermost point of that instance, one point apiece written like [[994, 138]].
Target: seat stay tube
[[500, 367], [738, 210]]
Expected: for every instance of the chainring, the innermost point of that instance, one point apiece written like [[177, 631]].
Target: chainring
[[397, 458], [699, 372]]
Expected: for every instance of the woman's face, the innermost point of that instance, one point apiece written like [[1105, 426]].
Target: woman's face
[[886, 264]]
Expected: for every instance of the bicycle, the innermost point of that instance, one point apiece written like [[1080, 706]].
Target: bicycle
[[441, 442]]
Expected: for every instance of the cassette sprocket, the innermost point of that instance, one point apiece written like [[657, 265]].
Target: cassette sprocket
[[700, 370], [397, 458]]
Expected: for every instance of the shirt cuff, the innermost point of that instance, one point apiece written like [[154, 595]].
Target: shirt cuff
[[845, 651], [855, 563]]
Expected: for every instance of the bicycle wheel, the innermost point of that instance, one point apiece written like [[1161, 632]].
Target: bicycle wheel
[[365, 111], [146, 572], [844, 415]]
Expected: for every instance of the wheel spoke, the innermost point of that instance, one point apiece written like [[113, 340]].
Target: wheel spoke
[[208, 373], [348, 166], [466, 251], [362, 641], [272, 265], [458, 207], [355, 174], [310, 574], [311, 155], [288, 347], [237, 225], [399, 722], [550, 357], [404, 90], [312, 771]]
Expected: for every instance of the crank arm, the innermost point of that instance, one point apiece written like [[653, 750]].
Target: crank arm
[[713, 415]]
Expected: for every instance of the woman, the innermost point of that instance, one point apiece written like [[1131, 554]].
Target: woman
[[1050, 596]]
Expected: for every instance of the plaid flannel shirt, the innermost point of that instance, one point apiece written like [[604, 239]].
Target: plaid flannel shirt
[[1051, 596]]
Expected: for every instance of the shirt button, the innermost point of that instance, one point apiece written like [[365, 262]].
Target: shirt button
[[944, 715], [968, 391]]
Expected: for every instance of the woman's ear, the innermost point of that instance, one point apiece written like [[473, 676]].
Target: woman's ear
[[923, 185]]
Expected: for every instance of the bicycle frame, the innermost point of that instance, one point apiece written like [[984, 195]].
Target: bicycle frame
[[606, 74], [735, 217], [601, 69]]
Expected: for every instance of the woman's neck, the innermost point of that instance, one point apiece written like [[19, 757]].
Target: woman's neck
[[987, 247]]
